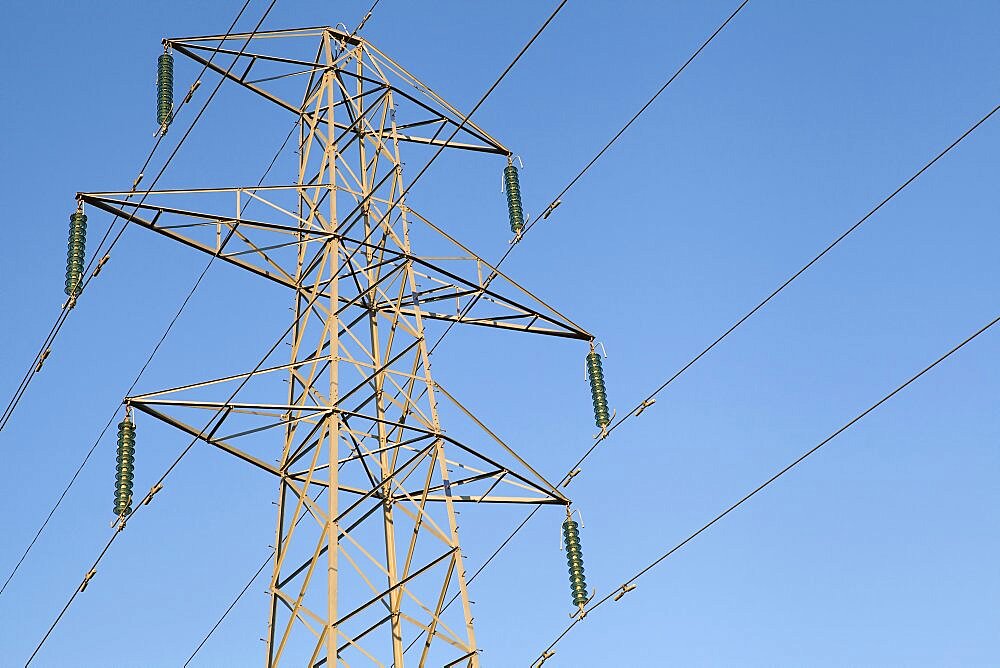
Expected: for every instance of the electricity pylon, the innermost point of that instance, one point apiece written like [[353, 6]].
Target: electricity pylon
[[367, 551]]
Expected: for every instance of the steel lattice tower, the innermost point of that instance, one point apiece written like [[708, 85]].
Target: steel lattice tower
[[367, 553]]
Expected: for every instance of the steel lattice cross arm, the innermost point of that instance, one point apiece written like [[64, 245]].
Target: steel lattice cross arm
[[489, 466], [367, 539], [267, 245], [273, 70]]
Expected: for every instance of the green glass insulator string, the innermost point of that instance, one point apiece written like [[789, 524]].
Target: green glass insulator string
[[574, 559], [76, 253], [513, 189], [125, 468], [164, 90], [598, 391]]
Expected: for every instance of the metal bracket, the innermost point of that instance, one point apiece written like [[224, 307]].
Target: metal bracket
[[86, 580], [152, 492], [41, 360], [624, 590], [548, 654], [100, 265], [552, 207], [644, 405], [190, 93]]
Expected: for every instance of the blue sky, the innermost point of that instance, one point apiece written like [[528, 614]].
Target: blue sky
[[881, 550]]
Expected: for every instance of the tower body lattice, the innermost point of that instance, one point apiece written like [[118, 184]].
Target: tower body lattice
[[368, 558]]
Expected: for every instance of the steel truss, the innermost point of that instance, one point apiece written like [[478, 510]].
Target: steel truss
[[361, 571]]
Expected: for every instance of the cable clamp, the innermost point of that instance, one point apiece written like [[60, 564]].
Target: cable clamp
[[100, 265], [548, 654], [363, 22], [86, 580], [41, 360], [644, 405], [195, 86], [138, 179], [569, 477], [624, 590], [552, 207], [152, 492]]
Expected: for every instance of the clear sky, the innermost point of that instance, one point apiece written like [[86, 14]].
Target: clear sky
[[882, 550]]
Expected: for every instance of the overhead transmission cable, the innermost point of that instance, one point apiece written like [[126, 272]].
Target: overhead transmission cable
[[138, 377], [104, 254], [557, 200], [778, 290], [628, 585], [183, 304], [159, 483], [186, 450], [201, 435], [645, 403]]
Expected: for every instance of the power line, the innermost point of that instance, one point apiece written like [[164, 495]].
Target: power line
[[574, 470], [200, 436], [625, 586], [789, 281], [364, 20], [229, 609], [135, 382], [488, 92], [169, 326], [246, 588], [188, 448], [159, 483], [555, 201], [104, 254]]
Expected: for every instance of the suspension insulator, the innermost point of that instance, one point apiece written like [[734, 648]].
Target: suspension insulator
[[513, 190], [164, 90], [574, 558], [77, 252], [126, 467], [602, 416]]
